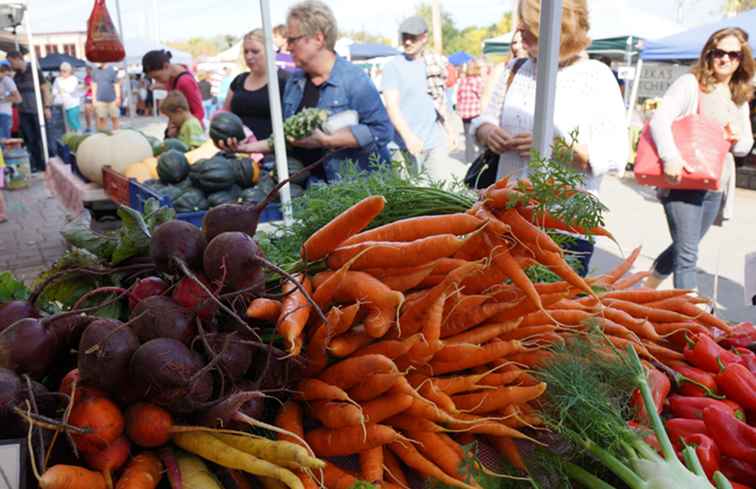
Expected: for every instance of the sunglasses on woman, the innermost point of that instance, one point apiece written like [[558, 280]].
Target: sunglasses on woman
[[733, 55]]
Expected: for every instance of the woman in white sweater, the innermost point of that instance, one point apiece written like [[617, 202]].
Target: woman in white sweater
[[719, 87], [588, 100], [66, 92]]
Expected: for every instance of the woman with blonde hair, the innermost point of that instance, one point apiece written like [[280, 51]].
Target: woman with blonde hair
[[248, 94], [719, 88], [588, 102]]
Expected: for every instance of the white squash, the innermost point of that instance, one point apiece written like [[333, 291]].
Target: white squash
[[120, 150]]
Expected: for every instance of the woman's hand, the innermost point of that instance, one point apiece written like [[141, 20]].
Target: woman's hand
[[673, 170], [522, 144], [731, 133], [230, 145], [315, 140], [496, 138]]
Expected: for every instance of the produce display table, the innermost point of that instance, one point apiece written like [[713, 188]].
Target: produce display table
[[70, 189]]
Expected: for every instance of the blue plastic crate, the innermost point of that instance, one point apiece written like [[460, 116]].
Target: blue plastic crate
[[139, 193]]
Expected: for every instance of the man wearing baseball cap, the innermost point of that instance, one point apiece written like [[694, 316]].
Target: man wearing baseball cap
[[413, 89]]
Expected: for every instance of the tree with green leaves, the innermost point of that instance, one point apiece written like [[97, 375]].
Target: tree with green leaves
[[737, 6]]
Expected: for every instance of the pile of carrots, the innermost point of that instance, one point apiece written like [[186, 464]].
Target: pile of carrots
[[429, 326], [133, 450]]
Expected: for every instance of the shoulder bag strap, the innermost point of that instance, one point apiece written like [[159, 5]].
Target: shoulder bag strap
[[515, 68]]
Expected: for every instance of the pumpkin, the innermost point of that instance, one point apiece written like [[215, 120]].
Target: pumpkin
[[190, 200], [296, 166], [118, 150], [230, 196], [155, 143], [172, 166], [252, 195], [226, 125], [173, 143], [248, 172], [138, 171], [216, 174]]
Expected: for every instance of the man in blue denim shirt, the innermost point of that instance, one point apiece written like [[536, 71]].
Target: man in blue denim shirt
[[329, 82]]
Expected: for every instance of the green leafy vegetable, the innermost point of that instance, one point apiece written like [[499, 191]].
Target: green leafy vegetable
[[12, 289]]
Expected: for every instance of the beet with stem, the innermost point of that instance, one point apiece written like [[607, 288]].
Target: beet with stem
[[177, 240], [174, 376], [235, 356], [161, 317], [233, 259], [189, 294], [13, 311], [104, 354]]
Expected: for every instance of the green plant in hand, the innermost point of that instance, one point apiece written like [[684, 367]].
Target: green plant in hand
[[302, 124]]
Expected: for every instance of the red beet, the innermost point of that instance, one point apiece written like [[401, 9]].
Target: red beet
[[189, 294], [236, 357], [15, 310], [104, 354], [232, 258], [147, 287], [28, 347], [177, 240], [169, 371], [161, 317]]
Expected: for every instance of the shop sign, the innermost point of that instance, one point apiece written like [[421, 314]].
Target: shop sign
[[656, 78]]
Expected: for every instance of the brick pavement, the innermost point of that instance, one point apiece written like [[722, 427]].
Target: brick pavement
[[30, 241]]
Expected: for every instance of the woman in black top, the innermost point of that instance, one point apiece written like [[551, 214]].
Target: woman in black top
[[248, 95]]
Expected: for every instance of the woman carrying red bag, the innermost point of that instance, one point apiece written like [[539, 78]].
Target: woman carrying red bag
[[719, 88]]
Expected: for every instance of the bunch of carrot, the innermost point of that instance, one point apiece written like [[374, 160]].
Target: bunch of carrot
[[429, 326]]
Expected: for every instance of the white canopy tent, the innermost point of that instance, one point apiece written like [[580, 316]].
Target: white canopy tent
[[137, 47], [230, 55]]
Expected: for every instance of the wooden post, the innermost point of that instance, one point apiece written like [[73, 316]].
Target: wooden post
[[437, 39]]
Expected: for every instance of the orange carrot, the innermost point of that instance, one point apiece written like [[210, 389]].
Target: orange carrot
[[393, 468], [348, 316], [502, 378], [569, 317], [374, 386], [644, 296], [493, 428], [396, 254], [459, 383], [336, 414], [342, 227], [295, 311], [410, 456], [437, 397], [290, 419], [317, 355], [684, 306], [409, 281], [642, 328], [645, 312], [556, 263], [524, 332], [630, 280], [547, 220], [350, 440], [442, 266], [390, 348], [666, 329], [502, 197], [350, 372], [469, 317], [623, 343], [483, 333], [508, 449], [109, 459], [507, 264], [317, 390], [347, 343], [70, 477], [527, 232], [490, 351], [415, 228], [371, 465], [381, 302], [662, 353], [264, 309], [452, 444], [102, 418], [622, 268], [407, 422], [488, 401], [473, 249], [438, 452], [450, 353], [382, 408], [336, 478], [494, 224], [532, 358], [526, 307], [143, 472]]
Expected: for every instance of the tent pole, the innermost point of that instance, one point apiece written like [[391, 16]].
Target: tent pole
[[548, 64], [125, 64], [634, 94], [276, 115], [37, 86], [629, 62]]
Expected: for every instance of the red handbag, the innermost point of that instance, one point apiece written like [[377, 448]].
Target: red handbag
[[103, 43], [702, 145]]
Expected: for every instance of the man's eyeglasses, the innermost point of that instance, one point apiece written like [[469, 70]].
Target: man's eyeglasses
[[292, 40], [721, 53], [411, 38]]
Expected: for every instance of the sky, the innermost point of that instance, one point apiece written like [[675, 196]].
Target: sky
[[181, 19]]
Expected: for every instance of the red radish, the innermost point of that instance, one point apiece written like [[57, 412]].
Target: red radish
[[109, 459], [104, 420], [144, 288], [190, 295]]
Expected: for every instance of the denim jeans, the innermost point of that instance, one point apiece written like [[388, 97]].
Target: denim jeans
[[582, 250], [6, 123], [690, 214]]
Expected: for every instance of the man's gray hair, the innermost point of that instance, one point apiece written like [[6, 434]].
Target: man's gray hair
[[315, 16]]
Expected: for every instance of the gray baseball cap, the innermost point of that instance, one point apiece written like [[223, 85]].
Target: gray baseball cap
[[413, 26]]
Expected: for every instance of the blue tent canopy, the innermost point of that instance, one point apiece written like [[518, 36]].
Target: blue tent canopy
[[459, 58], [368, 50], [688, 44]]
